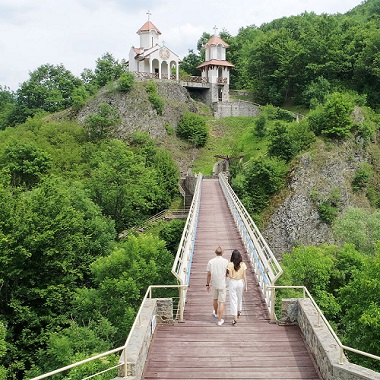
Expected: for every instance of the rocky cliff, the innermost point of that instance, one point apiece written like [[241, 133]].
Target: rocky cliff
[[327, 169]]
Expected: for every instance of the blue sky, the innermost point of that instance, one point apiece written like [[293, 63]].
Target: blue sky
[[76, 33]]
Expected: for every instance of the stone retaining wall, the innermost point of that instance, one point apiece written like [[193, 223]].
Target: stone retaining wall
[[154, 310], [321, 342], [237, 108]]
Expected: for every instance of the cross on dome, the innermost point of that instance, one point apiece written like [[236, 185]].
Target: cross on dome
[[149, 14], [215, 29]]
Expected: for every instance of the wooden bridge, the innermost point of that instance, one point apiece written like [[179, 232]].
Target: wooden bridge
[[198, 348], [193, 346]]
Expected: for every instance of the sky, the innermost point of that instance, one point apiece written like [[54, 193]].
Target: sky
[[75, 33]]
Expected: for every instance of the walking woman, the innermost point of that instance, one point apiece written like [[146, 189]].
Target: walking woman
[[238, 282]]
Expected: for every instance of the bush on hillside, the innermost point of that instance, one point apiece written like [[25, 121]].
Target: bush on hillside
[[333, 118], [99, 125], [193, 128], [126, 82], [155, 100], [287, 140]]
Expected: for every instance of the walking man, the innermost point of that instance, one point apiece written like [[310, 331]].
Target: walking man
[[216, 279]]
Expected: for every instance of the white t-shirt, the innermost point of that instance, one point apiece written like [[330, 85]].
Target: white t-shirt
[[217, 266]]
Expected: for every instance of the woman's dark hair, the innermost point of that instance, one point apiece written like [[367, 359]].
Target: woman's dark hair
[[236, 259]]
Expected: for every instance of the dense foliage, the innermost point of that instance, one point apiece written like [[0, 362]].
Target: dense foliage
[[54, 88], [63, 199], [301, 58], [193, 128], [345, 283]]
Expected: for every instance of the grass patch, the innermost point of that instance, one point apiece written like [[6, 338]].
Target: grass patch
[[230, 136]]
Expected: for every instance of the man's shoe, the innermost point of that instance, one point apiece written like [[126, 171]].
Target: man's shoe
[[220, 322], [214, 314]]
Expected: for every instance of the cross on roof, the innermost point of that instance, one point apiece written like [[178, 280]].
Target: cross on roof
[[215, 29], [149, 14], [163, 43]]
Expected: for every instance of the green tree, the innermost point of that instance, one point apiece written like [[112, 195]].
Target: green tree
[[280, 144], [316, 91], [107, 69], [50, 236], [171, 233], [26, 163], [262, 177], [3, 349], [121, 280], [155, 99], [323, 270], [123, 186], [75, 343], [312, 267], [362, 176], [125, 82], [7, 104], [79, 96], [193, 128], [359, 227], [99, 125], [361, 310], [332, 118], [261, 125], [190, 62], [49, 89]]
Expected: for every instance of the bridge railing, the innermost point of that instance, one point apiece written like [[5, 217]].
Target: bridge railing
[[182, 262], [341, 346], [266, 266], [123, 349]]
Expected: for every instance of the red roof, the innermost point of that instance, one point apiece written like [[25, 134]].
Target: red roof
[[214, 40], [147, 27], [215, 62]]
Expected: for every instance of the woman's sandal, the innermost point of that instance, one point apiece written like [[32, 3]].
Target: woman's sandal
[[234, 322], [239, 314]]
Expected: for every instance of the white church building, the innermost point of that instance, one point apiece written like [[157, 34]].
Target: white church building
[[151, 59], [216, 69], [154, 60]]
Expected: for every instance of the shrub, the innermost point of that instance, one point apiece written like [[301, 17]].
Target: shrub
[[99, 125], [126, 82], [79, 97], [261, 126], [193, 128], [333, 118], [287, 140], [362, 176], [328, 208], [155, 99]]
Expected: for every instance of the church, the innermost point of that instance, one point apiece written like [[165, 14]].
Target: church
[[150, 59], [154, 60]]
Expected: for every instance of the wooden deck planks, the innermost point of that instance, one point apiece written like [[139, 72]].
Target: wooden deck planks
[[198, 348]]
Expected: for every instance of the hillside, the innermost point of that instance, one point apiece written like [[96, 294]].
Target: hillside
[[137, 115], [292, 217]]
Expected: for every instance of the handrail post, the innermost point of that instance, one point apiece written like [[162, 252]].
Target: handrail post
[[272, 304], [125, 363], [341, 355], [181, 298]]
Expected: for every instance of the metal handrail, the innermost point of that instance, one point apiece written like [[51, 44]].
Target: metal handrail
[[320, 316], [180, 268], [183, 260], [148, 294], [266, 266]]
